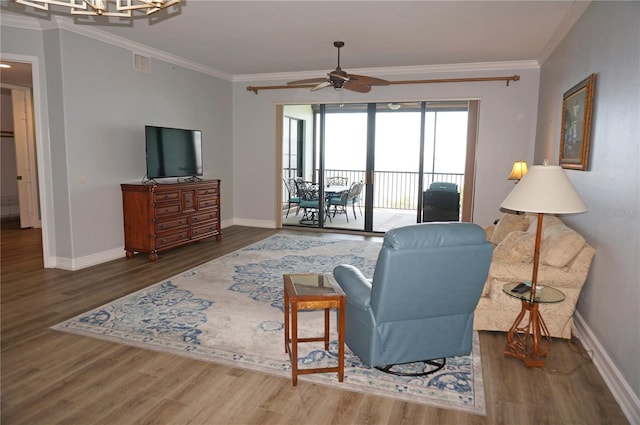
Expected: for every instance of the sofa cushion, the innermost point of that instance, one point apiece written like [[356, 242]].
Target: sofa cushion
[[515, 247], [507, 224], [559, 245]]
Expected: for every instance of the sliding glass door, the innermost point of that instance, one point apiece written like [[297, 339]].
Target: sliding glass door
[[345, 164], [397, 147], [395, 150]]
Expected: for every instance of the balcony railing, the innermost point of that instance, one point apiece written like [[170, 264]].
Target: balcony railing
[[392, 189]]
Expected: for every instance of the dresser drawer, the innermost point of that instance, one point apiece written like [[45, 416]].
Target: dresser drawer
[[200, 231], [208, 202], [166, 196], [213, 190], [175, 223], [167, 209], [201, 218], [167, 239]]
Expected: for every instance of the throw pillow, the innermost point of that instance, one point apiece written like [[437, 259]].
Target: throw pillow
[[517, 247], [507, 224]]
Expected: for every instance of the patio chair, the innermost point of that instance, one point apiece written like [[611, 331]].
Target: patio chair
[[420, 304], [441, 202], [358, 198], [292, 194], [310, 202], [343, 200]]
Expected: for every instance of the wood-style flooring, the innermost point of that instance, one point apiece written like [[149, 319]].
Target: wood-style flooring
[[51, 377]]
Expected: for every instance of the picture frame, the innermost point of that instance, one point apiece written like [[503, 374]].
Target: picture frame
[[577, 109]]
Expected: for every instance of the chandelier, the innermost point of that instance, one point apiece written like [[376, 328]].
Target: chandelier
[[123, 8]]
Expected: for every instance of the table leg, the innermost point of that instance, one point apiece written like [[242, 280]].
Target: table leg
[[294, 343], [286, 322], [529, 340], [326, 328]]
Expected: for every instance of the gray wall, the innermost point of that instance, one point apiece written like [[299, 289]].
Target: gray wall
[[98, 105], [605, 41]]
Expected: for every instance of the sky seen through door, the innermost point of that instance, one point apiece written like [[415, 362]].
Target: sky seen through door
[[398, 141]]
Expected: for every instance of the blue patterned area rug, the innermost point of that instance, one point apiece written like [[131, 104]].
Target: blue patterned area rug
[[230, 311]]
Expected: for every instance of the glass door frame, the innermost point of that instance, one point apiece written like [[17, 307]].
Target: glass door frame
[[317, 150]]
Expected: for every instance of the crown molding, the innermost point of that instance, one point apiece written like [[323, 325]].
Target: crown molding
[[397, 70], [570, 18], [97, 34], [67, 24]]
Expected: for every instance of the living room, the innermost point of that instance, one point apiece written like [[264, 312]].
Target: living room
[[92, 108]]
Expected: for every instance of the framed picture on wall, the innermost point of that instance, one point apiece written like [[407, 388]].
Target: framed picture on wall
[[577, 106]]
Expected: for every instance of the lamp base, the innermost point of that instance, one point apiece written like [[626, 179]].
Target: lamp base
[[529, 339]]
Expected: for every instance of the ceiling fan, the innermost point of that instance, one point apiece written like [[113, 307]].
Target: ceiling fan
[[339, 79]]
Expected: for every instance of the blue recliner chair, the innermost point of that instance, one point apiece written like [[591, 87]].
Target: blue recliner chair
[[419, 305]]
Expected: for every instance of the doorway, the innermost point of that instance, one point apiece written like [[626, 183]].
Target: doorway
[[19, 176], [396, 150]]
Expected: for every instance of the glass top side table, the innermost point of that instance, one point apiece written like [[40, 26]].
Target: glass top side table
[[528, 338], [544, 294]]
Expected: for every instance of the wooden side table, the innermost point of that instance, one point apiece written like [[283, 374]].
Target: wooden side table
[[529, 339], [312, 291]]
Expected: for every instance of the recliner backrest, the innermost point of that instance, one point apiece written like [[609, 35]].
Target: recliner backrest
[[430, 269]]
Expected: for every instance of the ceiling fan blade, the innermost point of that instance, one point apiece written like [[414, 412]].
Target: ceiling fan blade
[[370, 81], [321, 85], [307, 81], [355, 86]]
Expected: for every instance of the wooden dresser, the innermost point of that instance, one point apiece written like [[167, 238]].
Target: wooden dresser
[[163, 216]]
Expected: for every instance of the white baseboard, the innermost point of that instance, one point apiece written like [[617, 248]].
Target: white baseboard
[[622, 392], [73, 264], [265, 224]]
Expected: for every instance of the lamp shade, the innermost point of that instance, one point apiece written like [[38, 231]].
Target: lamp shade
[[545, 189], [518, 171]]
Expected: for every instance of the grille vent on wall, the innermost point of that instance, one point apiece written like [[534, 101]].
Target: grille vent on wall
[[141, 63]]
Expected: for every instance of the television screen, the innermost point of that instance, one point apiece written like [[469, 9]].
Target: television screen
[[173, 152]]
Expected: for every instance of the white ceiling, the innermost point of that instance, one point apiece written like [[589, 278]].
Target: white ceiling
[[239, 38]]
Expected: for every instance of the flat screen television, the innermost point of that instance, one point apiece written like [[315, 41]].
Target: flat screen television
[[173, 152]]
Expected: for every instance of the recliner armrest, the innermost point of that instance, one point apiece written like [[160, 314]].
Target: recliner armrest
[[354, 284]]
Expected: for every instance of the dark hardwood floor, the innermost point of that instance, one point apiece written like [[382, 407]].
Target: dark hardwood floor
[[51, 377]]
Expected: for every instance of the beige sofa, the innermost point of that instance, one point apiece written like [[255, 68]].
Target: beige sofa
[[565, 258]]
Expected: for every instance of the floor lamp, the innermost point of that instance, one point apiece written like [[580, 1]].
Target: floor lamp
[[545, 189]]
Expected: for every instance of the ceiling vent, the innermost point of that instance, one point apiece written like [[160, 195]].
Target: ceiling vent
[[141, 63]]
